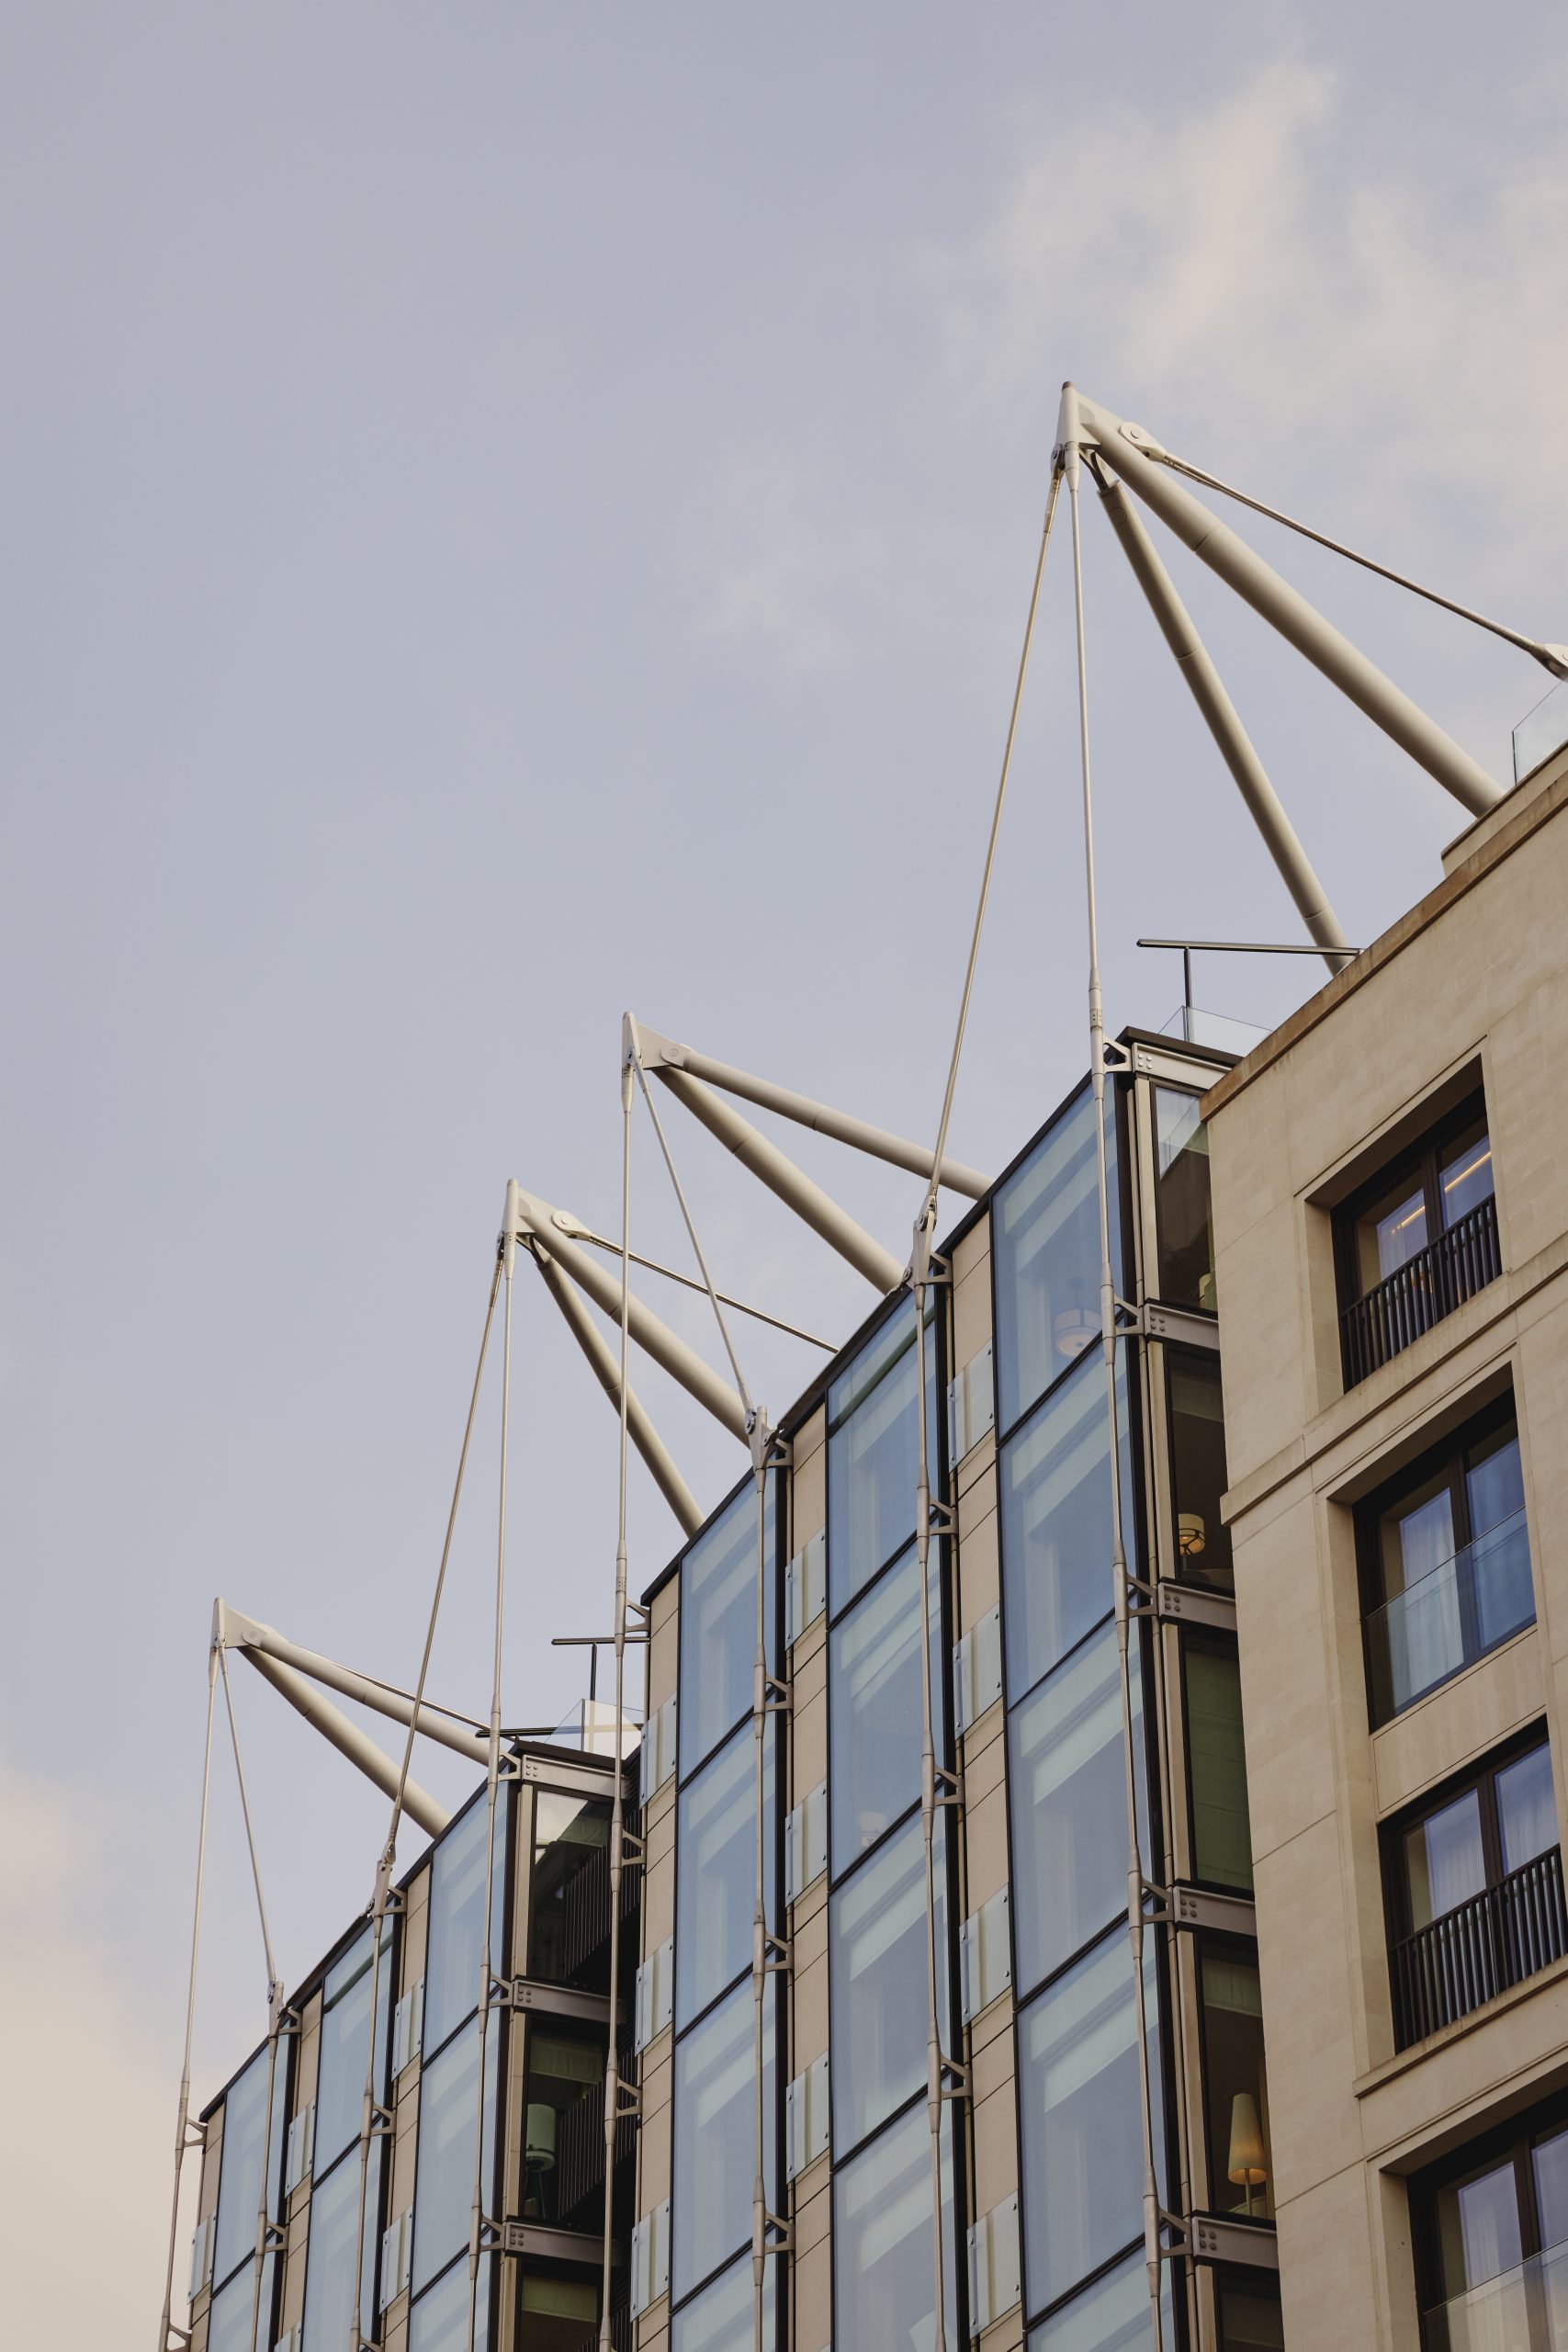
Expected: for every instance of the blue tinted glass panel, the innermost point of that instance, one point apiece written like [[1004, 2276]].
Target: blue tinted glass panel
[[329, 2261], [1083, 2156], [345, 2046], [1113, 2315], [1045, 1240], [715, 1869], [723, 2317], [876, 1949], [718, 1624], [1069, 1813], [233, 2314], [873, 1452], [457, 1917], [883, 2274], [715, 2138], [1055, 1519], [439, 2321], [877, 1707], [240, 2174], [444, 2175]]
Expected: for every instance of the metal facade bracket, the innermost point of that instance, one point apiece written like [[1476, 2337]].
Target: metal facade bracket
[[1173, 1323], [535, 2238], [382, 2122], [560, 2001], [1223, 1914], [1218, 2241], [1186, 1604]]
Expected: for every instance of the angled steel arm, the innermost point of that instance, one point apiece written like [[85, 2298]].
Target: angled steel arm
[[682, 1363], [238, 1632], [607, 1371], [1208, 692], [876, 1142], [794, 1187], [1127, 449], [348, 1739]]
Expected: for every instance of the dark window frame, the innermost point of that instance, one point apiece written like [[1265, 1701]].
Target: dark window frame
[[1154, 1290], [1449, 1452], [1421, 1158], [1210, 1942], [1481, 1776], [1398, 1927], [1123, 1241], [1174, 1353], [1216, 1644], [1520, 2136]]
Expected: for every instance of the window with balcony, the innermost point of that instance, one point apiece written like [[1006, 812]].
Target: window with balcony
[[1475, 1892], [1445, 1563], [1416, 1241], [1490, 2237]]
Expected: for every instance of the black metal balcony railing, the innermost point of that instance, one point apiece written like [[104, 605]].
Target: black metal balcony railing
[[1475, 1952], [1420, 1292]]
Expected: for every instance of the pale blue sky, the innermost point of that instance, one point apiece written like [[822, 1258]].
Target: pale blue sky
[[512, 513]]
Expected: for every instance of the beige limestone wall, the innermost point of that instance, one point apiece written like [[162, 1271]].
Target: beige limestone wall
[[1476, 979]]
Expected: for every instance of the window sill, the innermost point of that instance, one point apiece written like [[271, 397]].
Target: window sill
[[1405, 2060]]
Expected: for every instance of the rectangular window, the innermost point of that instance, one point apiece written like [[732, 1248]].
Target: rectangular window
[[1182, 1216], [345, 2046], [1490, 2230], [716, 1861], [874, 1454], [877, 1707], [439, 2320], [1111, 2317], [876, 1951], [329, 2260], [1416, 1241], [563, 2110], [1198, 1476], [1445, 1564], [714, 2160], [1083, 2151], [1216, 1765], [1069, 1806], [1236, 2085], [240, 2169], [1250, 2318], [723, 2317], [883, 2275], [455, 1950], [569, 1893], [1045, 1240], [718, 1622], [1475, 1892], [1055, 1523], [232, 2313], [444, 2171]]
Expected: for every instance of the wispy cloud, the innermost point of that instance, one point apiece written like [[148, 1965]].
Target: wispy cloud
[[777, 563], [1236, 265]]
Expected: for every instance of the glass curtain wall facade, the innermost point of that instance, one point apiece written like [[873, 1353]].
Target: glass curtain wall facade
[[542, 2170], [1046, 2038]]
